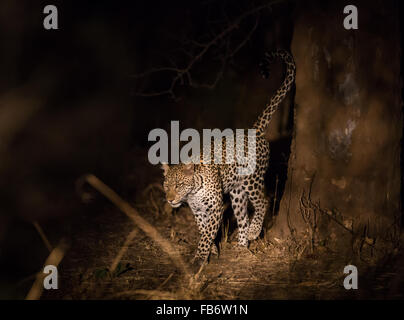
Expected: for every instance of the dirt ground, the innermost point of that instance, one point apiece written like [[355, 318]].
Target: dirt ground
[[270, 270]]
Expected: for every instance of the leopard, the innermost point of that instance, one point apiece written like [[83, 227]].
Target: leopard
[[203, 185]]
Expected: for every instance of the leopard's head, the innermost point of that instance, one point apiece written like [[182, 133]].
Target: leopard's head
[[178, 182]]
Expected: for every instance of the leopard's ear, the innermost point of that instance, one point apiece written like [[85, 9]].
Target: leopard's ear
[[165, 168], [189, 169]]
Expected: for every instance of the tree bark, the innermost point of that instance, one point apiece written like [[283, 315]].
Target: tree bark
[[344, 173]]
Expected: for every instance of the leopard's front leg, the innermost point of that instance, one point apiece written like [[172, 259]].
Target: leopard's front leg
[[201, 222], [208, 230], [208, 201]]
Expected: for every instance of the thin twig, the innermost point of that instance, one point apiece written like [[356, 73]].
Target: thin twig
[[161, 285], [124, 248], [329, 215], [43, 236]]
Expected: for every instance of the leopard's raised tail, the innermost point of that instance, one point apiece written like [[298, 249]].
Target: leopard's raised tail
[[263, 120]]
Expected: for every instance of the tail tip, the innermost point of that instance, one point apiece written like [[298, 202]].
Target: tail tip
[[264, 69]]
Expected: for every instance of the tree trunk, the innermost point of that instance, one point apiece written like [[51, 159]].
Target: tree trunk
[[344, 176]]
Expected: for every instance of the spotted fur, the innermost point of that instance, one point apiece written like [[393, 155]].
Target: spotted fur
[[202, 185]]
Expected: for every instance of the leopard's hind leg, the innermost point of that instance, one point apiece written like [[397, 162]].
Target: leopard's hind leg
[[260, 204], [239, 203]]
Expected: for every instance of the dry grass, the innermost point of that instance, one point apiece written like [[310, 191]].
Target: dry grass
[[160, 243]]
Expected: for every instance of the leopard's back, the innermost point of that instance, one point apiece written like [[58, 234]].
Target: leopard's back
[[233, 175]]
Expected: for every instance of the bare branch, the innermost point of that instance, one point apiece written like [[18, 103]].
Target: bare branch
[[42, 235], [195, 50]]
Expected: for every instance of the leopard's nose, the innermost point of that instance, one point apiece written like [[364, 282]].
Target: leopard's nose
[[170, 196]]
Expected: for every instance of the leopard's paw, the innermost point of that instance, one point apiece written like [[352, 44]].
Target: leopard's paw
[[213, 250], [253, 233]]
